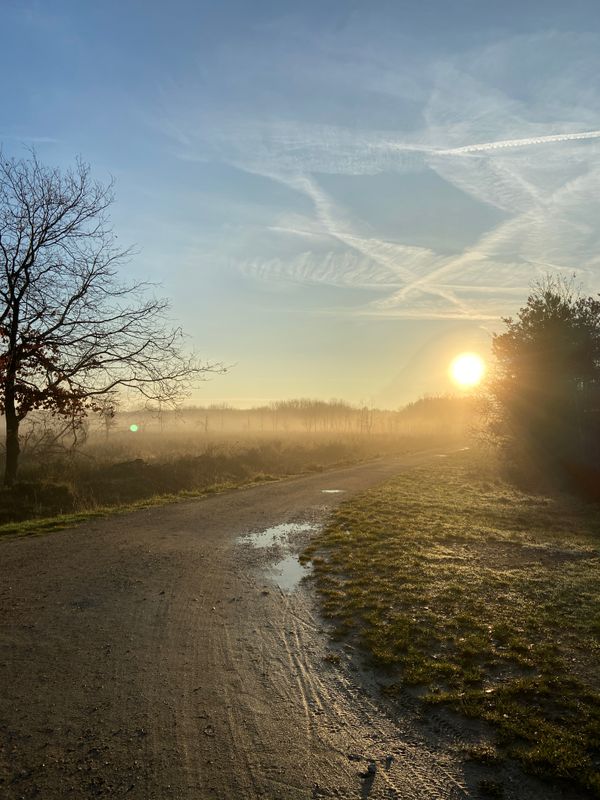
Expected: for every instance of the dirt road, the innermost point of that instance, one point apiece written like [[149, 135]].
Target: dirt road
[[165, 654]]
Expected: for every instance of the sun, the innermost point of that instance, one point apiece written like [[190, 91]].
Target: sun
[[467, 370]]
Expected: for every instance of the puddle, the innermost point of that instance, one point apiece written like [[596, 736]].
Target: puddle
[[278, 534], [332, 491], [287, 573]]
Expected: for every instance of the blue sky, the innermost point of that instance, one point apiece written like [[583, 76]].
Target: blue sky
[[337, 196]]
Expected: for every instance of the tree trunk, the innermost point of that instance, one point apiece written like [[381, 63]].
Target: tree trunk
[[12, 435]]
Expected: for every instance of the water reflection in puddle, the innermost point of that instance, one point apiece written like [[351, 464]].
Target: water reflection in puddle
[[332, 491], [287, 572], [278, 534]]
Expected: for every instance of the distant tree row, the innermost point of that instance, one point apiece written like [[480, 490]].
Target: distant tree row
[[423, 417]]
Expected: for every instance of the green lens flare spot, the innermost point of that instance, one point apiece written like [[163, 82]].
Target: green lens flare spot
[[133, 428]]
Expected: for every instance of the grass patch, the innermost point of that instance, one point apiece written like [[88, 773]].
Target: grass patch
[[107, 474], [486, 597], [107, 477], [60, 522]]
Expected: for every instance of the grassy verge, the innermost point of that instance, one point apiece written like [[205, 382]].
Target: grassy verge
[[485, 597], [60, 522], [92, 482]]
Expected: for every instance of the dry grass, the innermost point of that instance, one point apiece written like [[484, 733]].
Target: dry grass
[[130, 468]]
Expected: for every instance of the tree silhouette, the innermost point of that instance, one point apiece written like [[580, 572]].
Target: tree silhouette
[[71, 332], [547, 378]]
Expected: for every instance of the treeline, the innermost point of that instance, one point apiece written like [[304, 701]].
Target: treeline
[[425, 416]]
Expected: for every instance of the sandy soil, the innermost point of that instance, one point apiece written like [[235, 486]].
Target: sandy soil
[[156, 655]]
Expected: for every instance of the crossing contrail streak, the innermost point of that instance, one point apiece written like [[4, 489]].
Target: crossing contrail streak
[[528, 142]]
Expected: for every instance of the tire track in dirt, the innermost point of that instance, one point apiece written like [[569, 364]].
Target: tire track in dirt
[[367, 733]]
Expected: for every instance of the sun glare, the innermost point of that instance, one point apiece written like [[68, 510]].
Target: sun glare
[[467, 370]]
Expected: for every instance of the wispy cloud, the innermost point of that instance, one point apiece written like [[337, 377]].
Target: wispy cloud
[[28, 139], [536, 159]]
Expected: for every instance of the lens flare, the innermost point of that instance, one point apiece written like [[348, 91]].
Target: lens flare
[[467, 370], [133, 428]]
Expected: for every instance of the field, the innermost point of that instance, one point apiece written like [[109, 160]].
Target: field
[[135, 457], [483, 599]]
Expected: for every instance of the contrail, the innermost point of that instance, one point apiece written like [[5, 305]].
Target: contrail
[[484, 146]]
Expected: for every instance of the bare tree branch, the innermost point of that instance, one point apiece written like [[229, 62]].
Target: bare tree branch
[[71, 331]]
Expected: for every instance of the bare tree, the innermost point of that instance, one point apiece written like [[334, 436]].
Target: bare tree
[[71, 332], [106, 408]]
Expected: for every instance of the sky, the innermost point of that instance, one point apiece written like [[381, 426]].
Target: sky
[[337, 196]]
